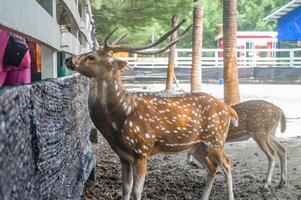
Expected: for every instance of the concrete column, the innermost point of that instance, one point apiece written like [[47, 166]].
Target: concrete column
[[49, 63], [49, 56], [84, 11]]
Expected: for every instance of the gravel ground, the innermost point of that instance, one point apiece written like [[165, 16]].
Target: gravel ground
[[169, 177]]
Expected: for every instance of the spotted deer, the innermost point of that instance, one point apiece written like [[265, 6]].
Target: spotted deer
[[259, 119], [137, 128]]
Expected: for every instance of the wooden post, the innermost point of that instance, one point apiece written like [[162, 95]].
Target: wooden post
[[172, 55], [197, 40]]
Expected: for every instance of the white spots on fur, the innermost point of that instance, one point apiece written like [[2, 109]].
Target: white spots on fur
[[128, 110], [170, 123]]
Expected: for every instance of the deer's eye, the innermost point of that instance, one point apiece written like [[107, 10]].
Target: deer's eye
[[90, 58]]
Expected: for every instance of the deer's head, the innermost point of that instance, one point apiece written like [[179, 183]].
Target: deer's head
[[95, 64], [101, 63]]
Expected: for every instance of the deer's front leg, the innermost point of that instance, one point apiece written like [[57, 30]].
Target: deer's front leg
[[127, 178], [140, 166]]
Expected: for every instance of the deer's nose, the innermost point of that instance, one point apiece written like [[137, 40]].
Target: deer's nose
[[69, 63]]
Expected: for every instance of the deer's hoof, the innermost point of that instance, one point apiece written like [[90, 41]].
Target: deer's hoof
[[281, 184], [266, 188], [193, 164]]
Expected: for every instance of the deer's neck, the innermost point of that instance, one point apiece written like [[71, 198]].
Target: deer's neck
[[111, 100]]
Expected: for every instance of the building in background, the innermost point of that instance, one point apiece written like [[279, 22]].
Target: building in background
[[250, 41], [61, 28], [288, 20]]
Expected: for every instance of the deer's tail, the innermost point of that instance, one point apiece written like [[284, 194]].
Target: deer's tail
[[234, 117], [283, 122]]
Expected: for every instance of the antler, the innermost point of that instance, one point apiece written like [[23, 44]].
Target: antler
[[106, 40], [151, 52], [120, 39], [139, 50]]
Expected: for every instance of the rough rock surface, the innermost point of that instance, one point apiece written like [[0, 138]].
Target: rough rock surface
[[45, 152]]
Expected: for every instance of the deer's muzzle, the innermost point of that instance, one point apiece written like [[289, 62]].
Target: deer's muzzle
[[69, 63]]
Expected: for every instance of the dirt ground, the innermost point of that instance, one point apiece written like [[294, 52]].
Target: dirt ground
[[169, 177]]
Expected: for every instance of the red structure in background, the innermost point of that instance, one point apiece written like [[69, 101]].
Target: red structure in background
[[250, 41]]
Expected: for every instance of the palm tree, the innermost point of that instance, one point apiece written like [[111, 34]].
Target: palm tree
[[196, 70], [172, 56], [231, 89]]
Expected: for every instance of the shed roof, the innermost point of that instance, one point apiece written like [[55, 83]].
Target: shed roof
[[284, 10]]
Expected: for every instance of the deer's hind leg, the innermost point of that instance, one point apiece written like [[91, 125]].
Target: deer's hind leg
[[282, 154], [224, 162], [266, 146], [202, 157]]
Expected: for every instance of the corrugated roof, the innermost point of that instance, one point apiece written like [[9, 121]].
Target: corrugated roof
[[284, 10]]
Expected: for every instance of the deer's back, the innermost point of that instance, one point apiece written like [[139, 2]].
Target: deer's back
[[256, 116]]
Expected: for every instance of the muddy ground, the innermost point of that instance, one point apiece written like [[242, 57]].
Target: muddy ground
[[169, 177]]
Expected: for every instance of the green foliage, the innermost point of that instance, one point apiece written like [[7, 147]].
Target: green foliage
[[146, 18], [252, 12]]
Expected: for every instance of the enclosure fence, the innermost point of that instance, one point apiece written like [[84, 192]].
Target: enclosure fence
[[213, 58]]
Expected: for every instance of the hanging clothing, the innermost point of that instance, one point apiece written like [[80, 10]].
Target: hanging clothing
[[35, 55], [12, 75]]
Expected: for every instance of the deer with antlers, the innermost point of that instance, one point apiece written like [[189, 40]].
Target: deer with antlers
[[258, 119], [139, 127]]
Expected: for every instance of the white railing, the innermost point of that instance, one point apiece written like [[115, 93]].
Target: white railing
[[214, 58]]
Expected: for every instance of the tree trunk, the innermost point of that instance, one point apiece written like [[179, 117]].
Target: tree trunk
[[231, 88], [172, 55], [197, 39]]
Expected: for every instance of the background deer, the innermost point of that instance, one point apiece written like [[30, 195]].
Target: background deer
[[259, 119], [139, 127]]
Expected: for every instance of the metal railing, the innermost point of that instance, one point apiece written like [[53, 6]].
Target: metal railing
[[214, 58]]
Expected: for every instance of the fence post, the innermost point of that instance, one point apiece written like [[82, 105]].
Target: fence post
[[245, 57], [216, 57], [135, 60], [292, 58], [176, 58]]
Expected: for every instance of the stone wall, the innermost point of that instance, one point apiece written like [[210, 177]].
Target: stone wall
[[45, 152]]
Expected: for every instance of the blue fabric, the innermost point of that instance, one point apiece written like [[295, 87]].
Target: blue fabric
[[289, 26]]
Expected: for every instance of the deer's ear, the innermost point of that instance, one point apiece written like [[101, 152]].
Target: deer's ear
[[119, 64]]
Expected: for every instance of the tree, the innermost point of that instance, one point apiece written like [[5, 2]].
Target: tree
[[172, 56], [140, 16], [231, 89], [197, 38]]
